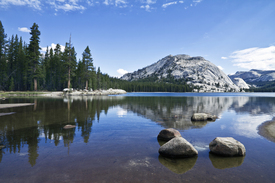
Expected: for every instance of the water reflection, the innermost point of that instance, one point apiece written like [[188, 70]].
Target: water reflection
[[178, 166], [46, 119], [225, 162], [29, 125], [176, 112], [267, 130]]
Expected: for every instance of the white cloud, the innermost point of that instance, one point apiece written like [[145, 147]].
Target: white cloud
[[106, 2], [168, 4], [36, 4], [146, 7], [70, 7], [67, 5], [149, 1], [255, 58], [120, 2], [121, 72], [181, 1], [247, 125], [90, 3], [44, 49], [224, 58], [197, 1], [24, 29], [220, 67]]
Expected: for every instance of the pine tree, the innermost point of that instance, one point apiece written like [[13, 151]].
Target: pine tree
[[98, 75], [57, 66], [88, 65], [34, 54], [69, 59], [3, 63]]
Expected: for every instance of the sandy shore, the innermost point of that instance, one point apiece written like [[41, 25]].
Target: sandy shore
[[267, 130]]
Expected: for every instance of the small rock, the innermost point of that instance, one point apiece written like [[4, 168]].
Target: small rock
[[227, 146], [203, 117], [177, 147], [168, 134], [69, 126]]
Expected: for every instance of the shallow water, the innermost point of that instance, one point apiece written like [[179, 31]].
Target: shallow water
[[115, 138]]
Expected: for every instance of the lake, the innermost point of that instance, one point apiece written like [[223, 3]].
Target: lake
[[115, 139]]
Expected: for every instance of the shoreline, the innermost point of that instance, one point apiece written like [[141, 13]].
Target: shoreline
[[267, 130], [62, 94]]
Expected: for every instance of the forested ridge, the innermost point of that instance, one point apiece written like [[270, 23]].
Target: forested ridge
[[24, 68]]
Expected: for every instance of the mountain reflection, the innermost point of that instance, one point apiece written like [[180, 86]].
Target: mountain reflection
[[45, 121]]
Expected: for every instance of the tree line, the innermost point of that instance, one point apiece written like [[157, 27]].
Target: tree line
[[24, 68]]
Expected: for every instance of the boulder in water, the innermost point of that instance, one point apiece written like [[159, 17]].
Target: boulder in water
[[227, 146], [177, 147], [168, 134], [203, 117]]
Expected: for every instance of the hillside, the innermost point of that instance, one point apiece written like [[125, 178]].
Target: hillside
[[197, 71], [259, 80], [257, 77]]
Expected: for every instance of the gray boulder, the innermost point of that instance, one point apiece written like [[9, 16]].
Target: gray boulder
[[168, 134], [177, 147], [203, 117], [227, 146]]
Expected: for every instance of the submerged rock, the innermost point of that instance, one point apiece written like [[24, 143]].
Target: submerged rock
[[168, 134], [69, 126], [177, 147], [203, 117], [227, 146]]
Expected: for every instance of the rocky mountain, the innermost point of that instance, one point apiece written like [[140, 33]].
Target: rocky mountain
[[240, 83], [255, 76], [195, 70]]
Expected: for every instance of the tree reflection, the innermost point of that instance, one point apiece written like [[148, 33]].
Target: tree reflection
[[46, 121], [29, 125]]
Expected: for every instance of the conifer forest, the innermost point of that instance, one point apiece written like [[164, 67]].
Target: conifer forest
[[23, 67]]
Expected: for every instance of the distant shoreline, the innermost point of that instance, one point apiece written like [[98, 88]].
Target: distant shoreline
[[61, 93]]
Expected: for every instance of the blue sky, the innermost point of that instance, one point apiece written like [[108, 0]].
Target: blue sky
[[126, 35]]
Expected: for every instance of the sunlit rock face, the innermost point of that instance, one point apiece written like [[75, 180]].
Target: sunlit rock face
[[196, 70], [255, 75], [240, 83]]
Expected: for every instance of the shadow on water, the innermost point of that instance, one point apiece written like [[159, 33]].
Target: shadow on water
[[221, 162], [178, 166]]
